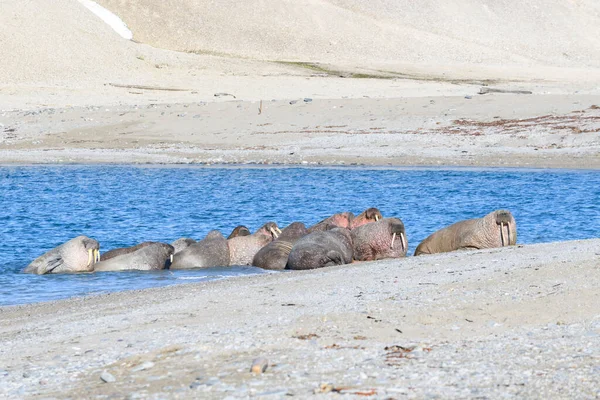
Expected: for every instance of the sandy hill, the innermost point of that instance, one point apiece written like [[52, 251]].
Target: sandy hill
[[513, 32], [48, 42]]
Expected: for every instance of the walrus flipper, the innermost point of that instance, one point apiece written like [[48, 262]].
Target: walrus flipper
[[53, 262]]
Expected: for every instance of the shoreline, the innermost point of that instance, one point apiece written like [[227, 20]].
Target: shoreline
[[334, 326], [374, 167]]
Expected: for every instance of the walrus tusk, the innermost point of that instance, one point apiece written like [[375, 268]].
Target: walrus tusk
[[393, 238], [508, 233], [274, 232], [404, 244], [278, 230], [96, 256], [376, 218], [171, 257], [502, 233], [90, 251]]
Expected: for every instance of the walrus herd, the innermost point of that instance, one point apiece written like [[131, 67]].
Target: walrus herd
[[340, 239]]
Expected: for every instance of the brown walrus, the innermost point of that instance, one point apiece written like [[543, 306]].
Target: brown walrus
[[369, 215], [497, 229], [321, 249], [385, 238], [212, 251], [275, 254], [76, 255], [242, 249], [238, 231]]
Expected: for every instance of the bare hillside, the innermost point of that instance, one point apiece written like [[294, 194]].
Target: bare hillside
[[363, 32]]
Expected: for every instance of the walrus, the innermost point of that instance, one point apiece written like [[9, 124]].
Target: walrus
[[212, 251], [275, 254], [151, 257], [239, 230], [321, 249], [242, 249], [122, 250], [77, 255], [342, 220], [369, 215], [497, 229], [385, 238], [181, 244]]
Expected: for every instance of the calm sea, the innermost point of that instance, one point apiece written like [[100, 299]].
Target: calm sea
[[44, 206]]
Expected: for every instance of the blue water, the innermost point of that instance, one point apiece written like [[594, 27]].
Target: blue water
[[44, 206]]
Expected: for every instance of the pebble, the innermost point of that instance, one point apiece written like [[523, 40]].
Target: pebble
[[307, 100], [107, 377], [293, 101], [144, 366], [259, 365], [278, 393]]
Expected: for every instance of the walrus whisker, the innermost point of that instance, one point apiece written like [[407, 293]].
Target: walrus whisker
[[502, 233], [393, 238]]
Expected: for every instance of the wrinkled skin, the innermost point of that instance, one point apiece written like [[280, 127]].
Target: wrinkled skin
[[182, 243], [123, 250], [76, 255], [274, 255], [212, 251], [342, 220], [385, 238], [239, 230], [321, 249], [242, 249], [154, 256], [497, 229], [367, 216]]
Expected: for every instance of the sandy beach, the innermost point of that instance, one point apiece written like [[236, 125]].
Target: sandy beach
[[322, 83], [518, 322], [283, 90]]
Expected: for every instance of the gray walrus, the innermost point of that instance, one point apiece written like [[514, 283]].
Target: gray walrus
[[242, 249], [76, 255], [212, 251], [385, 238], [181, 244], [154, 256], [122, 250], [321, 249], [239, 230], [275, 254], [497, 229]]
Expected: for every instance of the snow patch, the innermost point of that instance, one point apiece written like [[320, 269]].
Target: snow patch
[[111, 19]]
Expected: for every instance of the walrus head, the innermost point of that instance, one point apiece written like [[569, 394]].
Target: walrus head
[[369, 215], [269, 229], [77, 255], [239, 230], [507, 226]]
